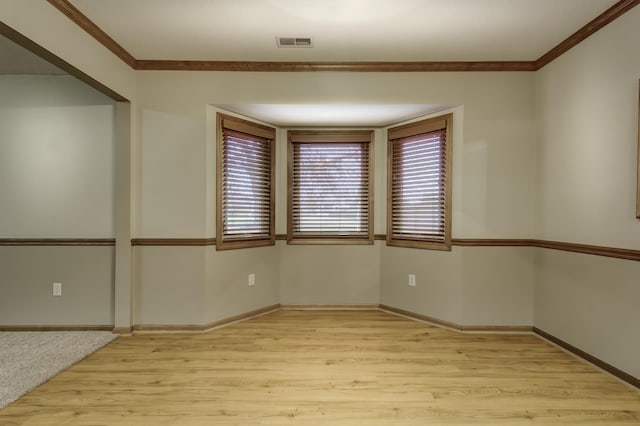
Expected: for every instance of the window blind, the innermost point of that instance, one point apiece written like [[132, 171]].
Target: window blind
[[245, 193], [330, 187], [419, 174]]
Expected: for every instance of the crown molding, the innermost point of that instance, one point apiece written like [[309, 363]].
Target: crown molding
[[249, 66], [102, 37], [602, 20]]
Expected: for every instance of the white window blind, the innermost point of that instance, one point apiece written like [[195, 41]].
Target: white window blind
[[419, 185], [245, 193], [330, 181]]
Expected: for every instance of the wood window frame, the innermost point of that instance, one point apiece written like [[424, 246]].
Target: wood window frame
[[412, 129], [224, 121], [329, 136]]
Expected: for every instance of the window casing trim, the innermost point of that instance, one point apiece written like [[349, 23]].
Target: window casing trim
[[407, 131], [235, 124], [329, 137]]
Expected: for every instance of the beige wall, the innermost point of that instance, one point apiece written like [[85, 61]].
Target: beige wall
[[172, 167], [587, 109], [467, 286], [57, 154], [497, 286], [199, 285], [493, 174], [339, 274], [46, 26], [168, 285], [27, 275], [591, 302], [227, 292], [493, 184], [438, 281]]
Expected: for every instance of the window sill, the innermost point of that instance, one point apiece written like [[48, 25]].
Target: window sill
[[419, 244], [240, 244]]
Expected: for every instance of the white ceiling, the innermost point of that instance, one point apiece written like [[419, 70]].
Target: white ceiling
[[342, 30]]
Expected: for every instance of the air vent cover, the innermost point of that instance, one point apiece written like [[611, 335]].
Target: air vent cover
[[294, 42]]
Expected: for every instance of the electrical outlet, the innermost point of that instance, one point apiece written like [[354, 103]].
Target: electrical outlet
[[252, 279], [412, 280], [57, 289]]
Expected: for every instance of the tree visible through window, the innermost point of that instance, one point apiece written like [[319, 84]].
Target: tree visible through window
[[330, 189]]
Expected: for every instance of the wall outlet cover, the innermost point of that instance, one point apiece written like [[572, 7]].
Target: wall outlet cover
[[412, 280]]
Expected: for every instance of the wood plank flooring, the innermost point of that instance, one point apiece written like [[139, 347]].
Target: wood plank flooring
[[328, 368]]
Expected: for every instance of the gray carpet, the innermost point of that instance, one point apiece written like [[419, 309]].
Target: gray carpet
[[28, 359]]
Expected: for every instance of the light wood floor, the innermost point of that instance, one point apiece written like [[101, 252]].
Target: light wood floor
[[328, 368]]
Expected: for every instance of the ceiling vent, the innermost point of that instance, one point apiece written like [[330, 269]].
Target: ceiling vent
[[294, 42]]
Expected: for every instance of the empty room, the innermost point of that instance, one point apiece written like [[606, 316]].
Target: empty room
[[341, 212]]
